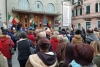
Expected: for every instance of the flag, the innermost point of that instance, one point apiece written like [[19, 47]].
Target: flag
[[12, 20], [31, 22], [49, 23]]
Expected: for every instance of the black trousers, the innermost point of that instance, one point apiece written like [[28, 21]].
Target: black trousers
[[9, 62], [22, 62]]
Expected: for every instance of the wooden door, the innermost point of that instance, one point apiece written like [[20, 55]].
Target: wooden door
[[38, 19], [24, 19]]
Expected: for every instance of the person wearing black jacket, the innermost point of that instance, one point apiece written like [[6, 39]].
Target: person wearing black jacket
[[23, 49]]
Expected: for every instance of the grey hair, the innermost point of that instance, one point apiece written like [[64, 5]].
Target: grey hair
[[42, 34], [60, 37], [56, 33], [65, 39]]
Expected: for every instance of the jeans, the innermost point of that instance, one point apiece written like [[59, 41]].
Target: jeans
[[9, 62], [22, 62]]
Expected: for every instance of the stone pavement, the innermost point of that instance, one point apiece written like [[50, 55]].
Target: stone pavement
[[15, 62]]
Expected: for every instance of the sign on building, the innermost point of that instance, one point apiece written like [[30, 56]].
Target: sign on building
[[66, 13]]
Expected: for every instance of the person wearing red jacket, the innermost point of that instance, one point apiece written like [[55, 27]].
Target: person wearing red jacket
[[31, 37], [6, 41], [54, 42]]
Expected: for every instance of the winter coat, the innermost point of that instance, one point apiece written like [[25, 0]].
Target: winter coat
[[96, 60], [6, 41], [23, 49], [96, 33], [77, 39], [3, 61], [31, 37], [60, 50], [54, 42], [91, 37], [41, 59]]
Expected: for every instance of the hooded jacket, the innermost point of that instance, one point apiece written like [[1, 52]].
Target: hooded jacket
[[42, 59], [6, 41], [91, 37], [77, 39]]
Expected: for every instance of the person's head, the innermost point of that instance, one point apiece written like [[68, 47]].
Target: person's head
[[44, 45], [48, 31], [23, 35], [60, 38], [5, 32], [78, 32], [30, 32], [42, 35], [65, 40], [83, 54], [89, 30], [62, 33], [96, 47], [96, 29], [56, 33], [2, 28]]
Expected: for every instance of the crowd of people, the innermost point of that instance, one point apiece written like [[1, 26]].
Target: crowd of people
[[48, 48]]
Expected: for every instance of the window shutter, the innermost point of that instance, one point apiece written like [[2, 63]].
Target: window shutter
[[96, 7], [76, 12], [72, 2], [80, 11], [72, 13], [87, 9]]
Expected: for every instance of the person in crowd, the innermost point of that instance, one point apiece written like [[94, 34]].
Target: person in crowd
[[2, 29], [54, 42], [10, 34], [83, 31], [60, 50], [96, 32], [3, 61], [41, 35], [31, 37], [77, 39], [82, 54], [44, 58], [48, 33], [6, 42], [96, 47], [68, 36], [91, 36], [71, 34], [23, 49]]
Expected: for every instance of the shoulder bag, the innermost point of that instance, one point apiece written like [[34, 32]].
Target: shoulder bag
[[11, 48]]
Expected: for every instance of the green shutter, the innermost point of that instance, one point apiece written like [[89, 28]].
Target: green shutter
[[80, 11], [87, 9], [72, 2], [76, 12], [72, 13], [96, 7]]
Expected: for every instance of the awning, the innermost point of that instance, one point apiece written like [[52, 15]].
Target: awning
[[35, 12]]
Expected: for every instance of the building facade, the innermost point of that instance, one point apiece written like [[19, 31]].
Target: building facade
[[41, 11], [2, 12], [86, 13]]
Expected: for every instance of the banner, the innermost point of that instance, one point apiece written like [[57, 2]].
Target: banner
[[66, 13]]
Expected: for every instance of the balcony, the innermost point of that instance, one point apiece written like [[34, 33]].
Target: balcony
[[87, 16], [79, 3]]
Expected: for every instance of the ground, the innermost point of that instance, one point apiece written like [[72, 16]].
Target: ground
[[15, 62]]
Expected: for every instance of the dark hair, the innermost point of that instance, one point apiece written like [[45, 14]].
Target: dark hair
[[95, 29], [90, 30], [83, 54], [23, 35], [78, 31], [69, 54], [44, 44]]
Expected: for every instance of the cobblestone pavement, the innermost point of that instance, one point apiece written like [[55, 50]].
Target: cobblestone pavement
[[15, 62]]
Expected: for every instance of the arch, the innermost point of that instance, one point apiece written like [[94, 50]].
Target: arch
[[79, 26], [23, 4], [50, 8], [38, 6]]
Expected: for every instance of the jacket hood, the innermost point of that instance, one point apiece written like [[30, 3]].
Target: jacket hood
[[48, 58], [77, 36], [4, 37]]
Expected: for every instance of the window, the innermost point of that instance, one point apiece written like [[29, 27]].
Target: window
[[24, 5], [88, 25], [88, 9], [98, 24], [80, 11], [72, 2], [79, 26], [38, 6], [97, 7], [72, 13], [76, 12], [50, 8]]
